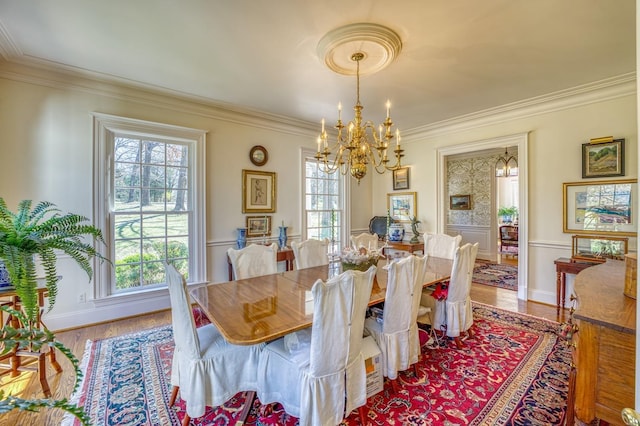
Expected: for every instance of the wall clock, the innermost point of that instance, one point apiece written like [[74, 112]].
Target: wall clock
[[259, 155]]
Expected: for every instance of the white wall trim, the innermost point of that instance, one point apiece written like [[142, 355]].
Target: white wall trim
[[595, 92], [521, 141], [44, 74]]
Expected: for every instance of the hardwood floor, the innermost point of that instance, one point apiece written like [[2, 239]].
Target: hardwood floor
[[27, 386]]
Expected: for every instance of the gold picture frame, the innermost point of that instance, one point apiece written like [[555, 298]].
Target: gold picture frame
[[258, 191], [460, 202], [605, 207], [402, 206], [258, 226]]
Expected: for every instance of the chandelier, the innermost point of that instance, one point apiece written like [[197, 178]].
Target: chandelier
[[506, 166], [361, 144]]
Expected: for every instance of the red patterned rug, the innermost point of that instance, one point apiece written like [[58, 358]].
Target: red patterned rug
[[497, 275], [514, 372]]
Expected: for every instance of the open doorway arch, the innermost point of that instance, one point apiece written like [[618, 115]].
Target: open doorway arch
[[519, 140]]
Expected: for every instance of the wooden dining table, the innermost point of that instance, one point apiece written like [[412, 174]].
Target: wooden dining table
[[263, 308]]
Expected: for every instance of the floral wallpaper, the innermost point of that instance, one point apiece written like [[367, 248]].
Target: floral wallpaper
[[474, 176]]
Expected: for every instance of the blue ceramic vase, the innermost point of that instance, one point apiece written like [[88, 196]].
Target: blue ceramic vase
[[396, 232], [282, 237], [241, 242]]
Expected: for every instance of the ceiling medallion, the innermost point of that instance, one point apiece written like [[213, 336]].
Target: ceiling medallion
[[379, 44], [359, 144]]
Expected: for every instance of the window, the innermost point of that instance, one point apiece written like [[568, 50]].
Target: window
[[324, 204], [149, 187]]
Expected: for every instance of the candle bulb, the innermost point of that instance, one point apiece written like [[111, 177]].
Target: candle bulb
[[319, 142], [339, 111], [388, 108], [398, 138], [322, 126], [380, 130]]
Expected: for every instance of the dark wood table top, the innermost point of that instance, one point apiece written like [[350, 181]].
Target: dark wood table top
[[264, 308]]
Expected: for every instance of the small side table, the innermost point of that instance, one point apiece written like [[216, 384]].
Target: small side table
[[403, 246], [566, 266]]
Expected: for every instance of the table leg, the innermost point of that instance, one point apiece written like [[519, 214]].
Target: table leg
[[558, 288], [563, 288]]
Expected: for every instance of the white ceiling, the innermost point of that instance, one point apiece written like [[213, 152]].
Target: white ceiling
[[458, 56]]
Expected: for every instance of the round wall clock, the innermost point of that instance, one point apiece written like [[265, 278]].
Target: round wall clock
[[259, 155]]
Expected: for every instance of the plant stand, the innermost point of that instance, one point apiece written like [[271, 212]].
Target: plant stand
[[15, 362]]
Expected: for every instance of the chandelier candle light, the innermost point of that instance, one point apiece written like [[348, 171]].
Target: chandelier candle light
[[361, 144]]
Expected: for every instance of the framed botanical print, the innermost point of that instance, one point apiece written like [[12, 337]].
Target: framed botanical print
[[258, 191]]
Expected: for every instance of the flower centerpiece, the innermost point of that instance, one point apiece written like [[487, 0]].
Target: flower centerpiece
[[360, 260]]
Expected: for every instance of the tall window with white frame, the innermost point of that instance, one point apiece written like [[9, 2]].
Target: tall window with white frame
[[153, 210], [324, 204]]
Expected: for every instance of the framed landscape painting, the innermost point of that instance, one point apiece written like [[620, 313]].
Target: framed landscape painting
[[601, 207], [460, 202], [603, 159], [401, 178]]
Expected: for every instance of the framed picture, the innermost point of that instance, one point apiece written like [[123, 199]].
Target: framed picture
[[603, 207], [258, 226], [401, 178], [258, 192], [603, 159], [460, 202], [402, 206]]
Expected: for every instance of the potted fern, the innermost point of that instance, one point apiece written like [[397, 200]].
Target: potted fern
[[30, 234]]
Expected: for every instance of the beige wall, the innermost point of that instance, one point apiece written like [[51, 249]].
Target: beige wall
[[47, 154], [554, 157]]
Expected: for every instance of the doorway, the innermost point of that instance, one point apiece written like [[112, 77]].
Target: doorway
[[507, 209], [488, 236]]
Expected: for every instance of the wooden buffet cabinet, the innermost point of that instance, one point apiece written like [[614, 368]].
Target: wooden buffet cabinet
[[603, 380]]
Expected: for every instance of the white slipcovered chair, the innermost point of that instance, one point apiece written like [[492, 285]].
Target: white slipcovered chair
[[254, 260], [310, 253], [441, 245], [455, 314], [436, 245], [368, 241], [206, 369], [323, 377], [397, 335]]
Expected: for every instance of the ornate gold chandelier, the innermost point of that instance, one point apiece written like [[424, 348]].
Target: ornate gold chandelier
[[362, 144]]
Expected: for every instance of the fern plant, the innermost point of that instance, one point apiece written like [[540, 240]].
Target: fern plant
[[31, 233]]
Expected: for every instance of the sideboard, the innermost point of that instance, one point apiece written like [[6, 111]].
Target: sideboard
[[603, 378]]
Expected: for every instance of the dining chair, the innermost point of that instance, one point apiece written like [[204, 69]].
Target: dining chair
[[397, 333], [441, 245], [322, 378], [436, 245], [206, 369], [254, 260], [310, 253], [368, 241], [454, 313]]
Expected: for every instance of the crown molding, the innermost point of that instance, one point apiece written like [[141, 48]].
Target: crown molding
[[43, 73], [598, 91]]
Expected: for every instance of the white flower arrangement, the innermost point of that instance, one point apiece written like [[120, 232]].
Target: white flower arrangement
[[360, 260]]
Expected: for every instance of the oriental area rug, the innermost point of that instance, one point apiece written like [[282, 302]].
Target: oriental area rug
[[497, 275], [514, 371]]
